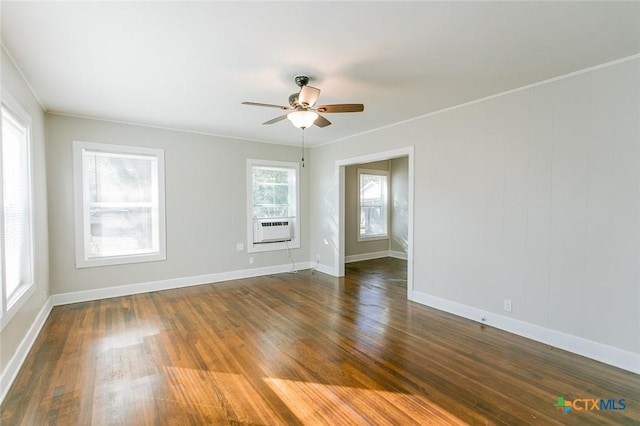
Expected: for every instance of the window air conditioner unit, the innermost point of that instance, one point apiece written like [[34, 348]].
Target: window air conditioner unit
[[272, 231]]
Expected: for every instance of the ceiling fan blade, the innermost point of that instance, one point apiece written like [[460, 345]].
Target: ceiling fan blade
[[340, 108], [267, 105], [321, 121], [275, 120], [308, 95]]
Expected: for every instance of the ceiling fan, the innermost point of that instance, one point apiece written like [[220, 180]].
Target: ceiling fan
[[304, 113]]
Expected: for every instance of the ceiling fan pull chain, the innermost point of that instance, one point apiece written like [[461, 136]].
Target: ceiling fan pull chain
[[303, 147]]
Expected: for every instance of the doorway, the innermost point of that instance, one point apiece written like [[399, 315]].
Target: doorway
[[344, 227]]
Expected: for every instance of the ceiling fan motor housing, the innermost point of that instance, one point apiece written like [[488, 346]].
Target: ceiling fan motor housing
[[301, 80]]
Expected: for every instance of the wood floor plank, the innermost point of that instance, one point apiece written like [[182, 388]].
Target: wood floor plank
[[300, 348]]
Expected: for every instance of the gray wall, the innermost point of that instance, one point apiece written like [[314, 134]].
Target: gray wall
[[205, 204], [398, 169], [352, 218], [531, 196], [15, 331]]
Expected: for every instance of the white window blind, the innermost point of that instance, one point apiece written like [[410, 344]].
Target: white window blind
[[16, 190]]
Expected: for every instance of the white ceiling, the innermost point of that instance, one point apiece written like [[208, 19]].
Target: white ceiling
[[189, 66]]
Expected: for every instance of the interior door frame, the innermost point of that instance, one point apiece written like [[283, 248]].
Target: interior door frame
[[368, 158]]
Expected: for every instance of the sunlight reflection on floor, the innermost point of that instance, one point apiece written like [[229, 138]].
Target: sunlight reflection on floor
[[126, 338], [317, 403], [228, 396]]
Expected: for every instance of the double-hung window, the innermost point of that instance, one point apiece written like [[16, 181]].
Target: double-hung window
[[272, 205], [373, 204], [16, 232], [119, 204]]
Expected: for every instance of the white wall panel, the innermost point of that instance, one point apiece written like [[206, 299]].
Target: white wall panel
[[537, 278], [571, 139], [623, 289], [600, 201]]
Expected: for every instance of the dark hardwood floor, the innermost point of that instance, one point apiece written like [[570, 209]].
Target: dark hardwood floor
[[299, 349]]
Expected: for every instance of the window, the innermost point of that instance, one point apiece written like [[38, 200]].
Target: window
[[373, 204], [119, 204], [272, 205], [16, 242]]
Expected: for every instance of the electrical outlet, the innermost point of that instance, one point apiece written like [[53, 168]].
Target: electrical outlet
[[507, 305], [251, 261], [239, 246]]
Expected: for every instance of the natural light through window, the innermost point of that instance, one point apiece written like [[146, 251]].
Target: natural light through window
[[119, 204], [323, 403], [373, 204], [17, 226], [273, 205]]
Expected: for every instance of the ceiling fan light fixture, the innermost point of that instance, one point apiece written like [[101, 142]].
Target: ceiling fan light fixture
[[302, 119], [303, 112]]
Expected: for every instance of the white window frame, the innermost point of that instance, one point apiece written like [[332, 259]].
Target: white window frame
[[9, 307], [81, 194], [295, 242], [363, 238]]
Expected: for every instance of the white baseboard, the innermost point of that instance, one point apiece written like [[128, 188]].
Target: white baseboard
[[366, 256], [360, 257], [329, 270], [598, 351], [127, 290], [375, 255], [15, 363], [398, 254]]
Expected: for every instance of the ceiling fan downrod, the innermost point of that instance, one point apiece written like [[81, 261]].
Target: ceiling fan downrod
[[301, 80]]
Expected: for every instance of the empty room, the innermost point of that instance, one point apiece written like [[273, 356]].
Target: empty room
[[320, 212]]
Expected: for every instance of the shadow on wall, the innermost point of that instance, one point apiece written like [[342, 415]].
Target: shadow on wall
[[329, 225], [400, 222], [401, 242]]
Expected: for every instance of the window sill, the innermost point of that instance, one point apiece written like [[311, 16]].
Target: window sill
[[119, 260]]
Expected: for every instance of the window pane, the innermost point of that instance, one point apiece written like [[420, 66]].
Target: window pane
[[373, 205], [16, 202], [118, 178], [273, 192], [121, 204], [121, 231]]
